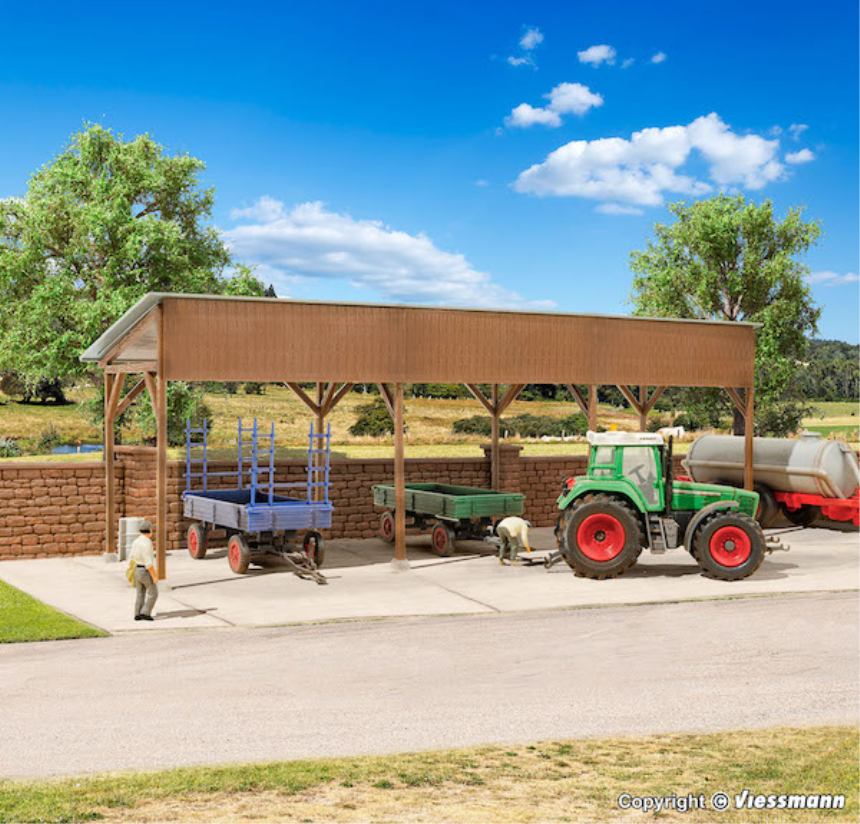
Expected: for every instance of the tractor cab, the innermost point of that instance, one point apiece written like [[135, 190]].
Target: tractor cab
[[634, 459]]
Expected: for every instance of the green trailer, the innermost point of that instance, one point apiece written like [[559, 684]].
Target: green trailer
[[450, 512]]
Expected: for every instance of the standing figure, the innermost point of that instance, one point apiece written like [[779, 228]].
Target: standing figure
[[513, 533], [145, 577]]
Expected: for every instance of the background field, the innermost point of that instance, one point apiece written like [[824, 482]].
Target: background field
[[429, 423]]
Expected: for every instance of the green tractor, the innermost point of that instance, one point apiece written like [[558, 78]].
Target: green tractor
[[629, 500]]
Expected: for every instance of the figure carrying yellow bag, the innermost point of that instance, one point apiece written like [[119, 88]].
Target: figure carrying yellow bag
[[129, 573]]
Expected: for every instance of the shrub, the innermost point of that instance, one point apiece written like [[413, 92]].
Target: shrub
[[183, 402], [48, 439], [656, 422], [373, 420], [525, 425], [9, 448], [42, 389], [254, 388], [476, 425]]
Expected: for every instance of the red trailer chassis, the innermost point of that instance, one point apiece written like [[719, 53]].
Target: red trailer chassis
[[837, 509]]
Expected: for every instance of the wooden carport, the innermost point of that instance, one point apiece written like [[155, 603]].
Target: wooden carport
[[167, 337]]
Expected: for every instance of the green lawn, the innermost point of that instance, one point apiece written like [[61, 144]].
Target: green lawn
[[549, 781], [24, 618]]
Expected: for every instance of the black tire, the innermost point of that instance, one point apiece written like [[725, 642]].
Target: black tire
[[386, 527], [805, 516], [723, 535], [198, 541], [597, 525], [238, 554], [314, 547], [768, 508], [443, 540]]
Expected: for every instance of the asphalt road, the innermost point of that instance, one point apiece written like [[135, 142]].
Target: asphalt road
[[211, 696]]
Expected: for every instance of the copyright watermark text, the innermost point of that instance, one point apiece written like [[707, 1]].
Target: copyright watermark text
[[721, 801]]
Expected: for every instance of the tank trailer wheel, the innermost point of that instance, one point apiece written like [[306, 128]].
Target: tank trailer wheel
[[198, 541], [238, 554], [768, 508], [805, 516], [601, 537], [729, 546], [443, 539], [386, 527], [314, 547]]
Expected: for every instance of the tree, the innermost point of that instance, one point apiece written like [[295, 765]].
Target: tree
[[730, 259], [104, 223]]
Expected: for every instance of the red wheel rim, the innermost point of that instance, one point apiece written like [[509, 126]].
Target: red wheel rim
[[730, 546], [234, 554], [311, 547], [388, 526], [601, 537], [440, 538], [193, 543]]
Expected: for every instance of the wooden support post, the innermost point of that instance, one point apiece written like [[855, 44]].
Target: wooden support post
[[749, 480], [110, 474], [643, 408], [592, 407], [399, 479], [495, 456], [161, 459]]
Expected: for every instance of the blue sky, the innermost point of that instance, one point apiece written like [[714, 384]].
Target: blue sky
[[488, 154]]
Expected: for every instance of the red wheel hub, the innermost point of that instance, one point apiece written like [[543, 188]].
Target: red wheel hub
[[388, 527], [193, 543], [601, 537], [440, 538], [730, 546], [234, 554]]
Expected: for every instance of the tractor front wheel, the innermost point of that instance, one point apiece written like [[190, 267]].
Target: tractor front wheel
[[729, 546], [601, 536], [238, 554]]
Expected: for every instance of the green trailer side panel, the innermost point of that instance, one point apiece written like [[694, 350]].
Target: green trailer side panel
[[449, 501]]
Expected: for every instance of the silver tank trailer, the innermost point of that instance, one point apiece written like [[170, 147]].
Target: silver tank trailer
[[808, 464]]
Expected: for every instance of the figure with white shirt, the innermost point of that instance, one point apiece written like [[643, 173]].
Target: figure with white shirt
[[513, 534], [145, 577]]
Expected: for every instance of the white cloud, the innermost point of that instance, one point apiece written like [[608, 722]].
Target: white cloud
[[481, 183], [310, 241], [524, 116], [803, 156], [826, 278], [532, 38], [565, 98], [797, 129], [639, 171], [595, 55], [749, 161], [660, 57], [617, 209], [520, 61], [626, 64]]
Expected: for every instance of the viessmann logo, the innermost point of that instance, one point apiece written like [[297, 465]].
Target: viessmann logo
[[720, 802]]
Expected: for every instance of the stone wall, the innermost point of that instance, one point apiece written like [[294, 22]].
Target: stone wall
[[53, 509]]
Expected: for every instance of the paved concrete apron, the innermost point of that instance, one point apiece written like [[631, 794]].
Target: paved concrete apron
[[363, 585], [231, 695]]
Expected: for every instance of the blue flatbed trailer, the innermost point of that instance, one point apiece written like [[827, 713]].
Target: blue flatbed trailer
[[256, 519]]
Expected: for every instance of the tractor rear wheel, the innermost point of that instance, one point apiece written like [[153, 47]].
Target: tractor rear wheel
[[601, 536], [729, 546], [238, 554], [768, 508], [805, 516], [197, 541]]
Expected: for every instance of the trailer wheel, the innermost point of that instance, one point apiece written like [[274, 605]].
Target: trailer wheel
[[805, 516], [238, 554], [729, 546], [601, 537], [768, 508], [443, 539], [198, 541], [314, 547], [386, 527]]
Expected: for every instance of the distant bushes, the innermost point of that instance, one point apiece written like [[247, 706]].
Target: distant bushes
[[524, 426], [373, 420]]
